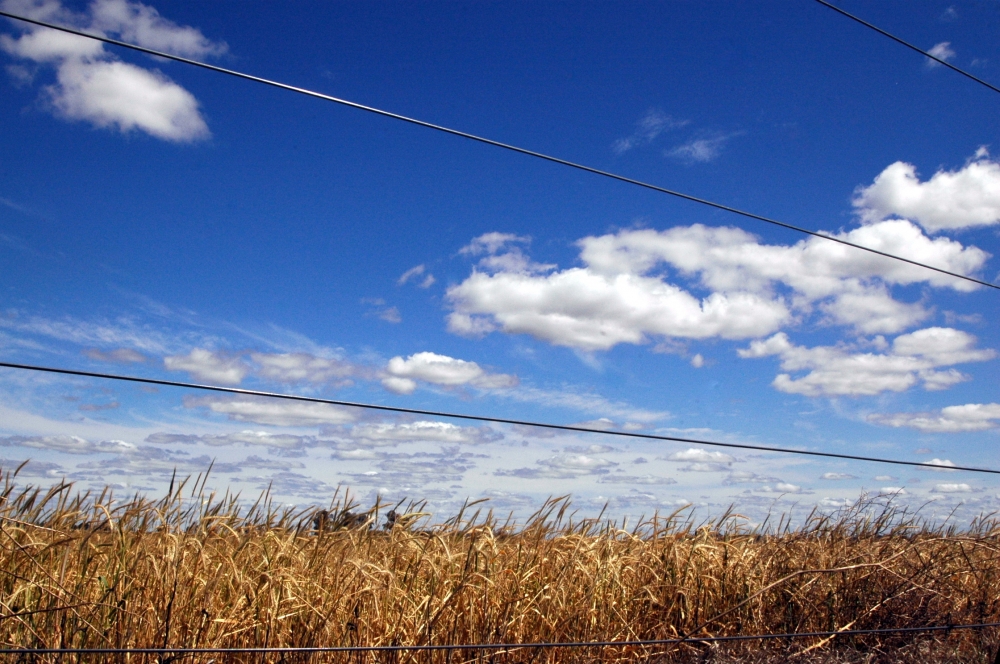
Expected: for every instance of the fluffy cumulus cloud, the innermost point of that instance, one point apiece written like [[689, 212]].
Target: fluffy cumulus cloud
[[922, 357], [951, 419], [302, 368], [275, 412], [940, 465], [211, 366], [701, 460], [949, 200], [625, 291], [402, 374], [700, 455], [93, 86]]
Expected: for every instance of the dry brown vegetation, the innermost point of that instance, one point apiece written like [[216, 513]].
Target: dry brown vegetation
[[193, 570]]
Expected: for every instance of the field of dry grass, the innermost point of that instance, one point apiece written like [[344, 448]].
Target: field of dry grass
[[193, 570]]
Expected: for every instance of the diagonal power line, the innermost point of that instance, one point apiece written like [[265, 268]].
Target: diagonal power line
[[940, 61], [485, 418], [498, 144]]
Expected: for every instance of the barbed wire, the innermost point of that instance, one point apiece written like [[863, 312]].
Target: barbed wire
[[496, 646]]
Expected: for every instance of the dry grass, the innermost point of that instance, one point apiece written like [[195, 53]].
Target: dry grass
[[193, 570]]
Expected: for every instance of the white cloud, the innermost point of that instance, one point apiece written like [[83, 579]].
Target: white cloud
[[590, 449], [703, 467], [120, 333], [837, 371], [576, 462], [635, 480], [491, 243], [417, 271], [301, 367], [838, 476], [581, 309], [746, 476], [121, 95], [703, 149], [654, 123], [562, 466], [873, 311], [248, 437], [92, 85], [949, 200], [783, 487], [67, 444], [951, 419], [390, 434], [119, 355], [700, 455], [45, 45], [399, 385], [143, 24], [952, 488], [441, 370], [206, 365], [388, 314], [356, 455], [621, 294], [943, 465], [942, 51], [588, 403], [274, 411]]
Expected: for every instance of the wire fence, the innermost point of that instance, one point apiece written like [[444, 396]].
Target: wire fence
[[498, 646]]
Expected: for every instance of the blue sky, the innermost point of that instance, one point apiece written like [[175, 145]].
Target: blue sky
[[165, 221]]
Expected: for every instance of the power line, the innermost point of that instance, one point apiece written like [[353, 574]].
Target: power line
[[485, 418], [494, 646], [498, 144], [940, 61]]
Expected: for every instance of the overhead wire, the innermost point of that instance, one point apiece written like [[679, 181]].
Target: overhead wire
[[495, 143], [898, 40], [493, 646], [569, 428], [490, 419]]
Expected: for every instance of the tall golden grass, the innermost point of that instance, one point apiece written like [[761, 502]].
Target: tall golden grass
[[195, 570]]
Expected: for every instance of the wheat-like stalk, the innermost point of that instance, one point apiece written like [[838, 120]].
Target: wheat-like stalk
[[198, 570]]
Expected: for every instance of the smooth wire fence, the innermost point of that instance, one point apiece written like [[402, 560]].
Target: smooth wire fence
[[495, 647]]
